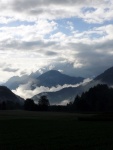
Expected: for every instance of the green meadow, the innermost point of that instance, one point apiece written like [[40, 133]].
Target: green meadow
[[22, 130]]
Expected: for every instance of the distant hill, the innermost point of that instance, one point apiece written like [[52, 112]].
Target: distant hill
[[10, 98], [59, 96]]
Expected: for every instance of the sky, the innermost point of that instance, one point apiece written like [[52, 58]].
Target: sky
[[72, 36]]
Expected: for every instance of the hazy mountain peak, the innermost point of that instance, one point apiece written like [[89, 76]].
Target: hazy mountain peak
[[51, 73], [54, 78]]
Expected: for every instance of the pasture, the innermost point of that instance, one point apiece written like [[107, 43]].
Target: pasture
[[22, 130]]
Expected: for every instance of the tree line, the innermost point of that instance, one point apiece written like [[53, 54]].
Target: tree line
[[43, 104], [99, 98]]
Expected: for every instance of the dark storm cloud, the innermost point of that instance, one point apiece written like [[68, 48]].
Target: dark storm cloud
[[18, 4], [23, 45], [50, 53], [54, 8], [36, 45], [10, 69], [106, 45], [96, 57], [27, 4]]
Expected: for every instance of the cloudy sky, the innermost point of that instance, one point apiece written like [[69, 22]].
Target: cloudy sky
[[74, 36]]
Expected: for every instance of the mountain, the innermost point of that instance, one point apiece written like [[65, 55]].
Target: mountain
[[59, 96], [106, 77], [54, 78], [48, 79], [11, 100], [71, 92], [15, 81]]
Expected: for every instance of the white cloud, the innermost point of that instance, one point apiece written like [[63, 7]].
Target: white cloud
[[25, 90], [65, 102], [79, 49], [25, 33]]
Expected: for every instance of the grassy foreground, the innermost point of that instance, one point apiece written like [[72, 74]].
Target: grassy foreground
[[20, 130]]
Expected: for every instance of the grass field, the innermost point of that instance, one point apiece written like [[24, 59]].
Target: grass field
[[22, 130]]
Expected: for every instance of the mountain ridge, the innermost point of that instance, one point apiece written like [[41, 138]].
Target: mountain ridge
[[104, 78], [54, 78], [48, 79]]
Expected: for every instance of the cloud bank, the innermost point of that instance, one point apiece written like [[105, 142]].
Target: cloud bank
[[73, 34], [25, 90], [51, 9]]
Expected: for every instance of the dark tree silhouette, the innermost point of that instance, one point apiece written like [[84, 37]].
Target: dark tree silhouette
[[43, 103], [3, 105], [98, 98], [29, 104]]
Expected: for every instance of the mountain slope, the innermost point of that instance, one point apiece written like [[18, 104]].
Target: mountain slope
[[70, 93], [99, 98], [106, 77], [54, 78], [47, 79], [59, 96], [15, 81], [9, 97]]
